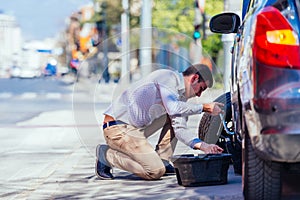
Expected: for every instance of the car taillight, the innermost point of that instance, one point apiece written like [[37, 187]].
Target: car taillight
[[275, 41], [284, 37], [275, 50], [276, 73]]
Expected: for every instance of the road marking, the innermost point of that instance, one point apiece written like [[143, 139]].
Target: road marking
[[28, 95], [53, 95], [50, 126], [5, 95], [44, 95]]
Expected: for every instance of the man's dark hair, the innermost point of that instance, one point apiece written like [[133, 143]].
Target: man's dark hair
[[202, 70]]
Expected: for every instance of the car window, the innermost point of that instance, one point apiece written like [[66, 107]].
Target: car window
[[271, 2], [289, 11], [281, 4], [245, 7], [298, 9]]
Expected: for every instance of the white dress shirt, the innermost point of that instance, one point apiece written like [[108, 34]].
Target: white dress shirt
[[160, 93]]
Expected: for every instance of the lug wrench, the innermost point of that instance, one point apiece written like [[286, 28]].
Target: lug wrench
[[224, 125]]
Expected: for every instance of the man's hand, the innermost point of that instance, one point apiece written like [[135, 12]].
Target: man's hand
[[208, 148], [213, 108]]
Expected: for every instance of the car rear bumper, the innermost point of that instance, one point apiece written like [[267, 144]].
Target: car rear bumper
[[278, 147]]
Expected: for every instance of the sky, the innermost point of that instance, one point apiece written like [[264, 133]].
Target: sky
[[40, 19]]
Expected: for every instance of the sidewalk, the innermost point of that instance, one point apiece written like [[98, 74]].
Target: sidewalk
[[65, 169], [128, 186]]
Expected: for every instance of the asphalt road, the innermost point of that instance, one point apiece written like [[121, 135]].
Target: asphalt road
[[48, 133]]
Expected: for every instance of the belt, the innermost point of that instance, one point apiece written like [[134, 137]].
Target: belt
[[112, 123]]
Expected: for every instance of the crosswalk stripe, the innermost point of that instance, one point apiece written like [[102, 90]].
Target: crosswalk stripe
[[31, 95], [53, 95], [5, 95], [50, 96], [28, 95]]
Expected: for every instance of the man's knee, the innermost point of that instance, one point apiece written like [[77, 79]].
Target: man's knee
[[156, 173]]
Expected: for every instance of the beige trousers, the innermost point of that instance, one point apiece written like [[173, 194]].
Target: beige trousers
[[130, 150]]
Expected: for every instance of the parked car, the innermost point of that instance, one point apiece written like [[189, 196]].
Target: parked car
[[24, 72], [263, 105], [15, 71]]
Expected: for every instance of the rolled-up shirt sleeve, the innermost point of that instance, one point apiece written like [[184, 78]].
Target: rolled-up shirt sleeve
[[182, 133]]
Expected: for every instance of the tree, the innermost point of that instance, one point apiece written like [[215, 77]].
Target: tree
[[113, 10], [212, 44], [178, 16]]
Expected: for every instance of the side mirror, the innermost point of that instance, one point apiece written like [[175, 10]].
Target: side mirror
[[225, 23]]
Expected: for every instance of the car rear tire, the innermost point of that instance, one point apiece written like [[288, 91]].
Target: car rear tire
[[210, 127], [261, 178]]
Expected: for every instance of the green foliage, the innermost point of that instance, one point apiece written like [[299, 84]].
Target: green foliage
[[213, 7], [178, 16], [212, 45], [174, 15], [112, 11]]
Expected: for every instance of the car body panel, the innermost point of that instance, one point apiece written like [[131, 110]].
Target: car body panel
[[266, 98], [265, 93]]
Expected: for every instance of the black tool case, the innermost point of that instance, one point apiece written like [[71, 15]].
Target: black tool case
[[201, 169]]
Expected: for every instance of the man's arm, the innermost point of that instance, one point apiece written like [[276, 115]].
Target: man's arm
[[176, 107], [189, 138]]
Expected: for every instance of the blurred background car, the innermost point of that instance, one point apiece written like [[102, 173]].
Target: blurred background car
[[15, 71]]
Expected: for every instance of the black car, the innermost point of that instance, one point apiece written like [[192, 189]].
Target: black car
[[263, 105]]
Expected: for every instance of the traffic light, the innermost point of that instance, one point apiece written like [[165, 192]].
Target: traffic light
[[197, 34]]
